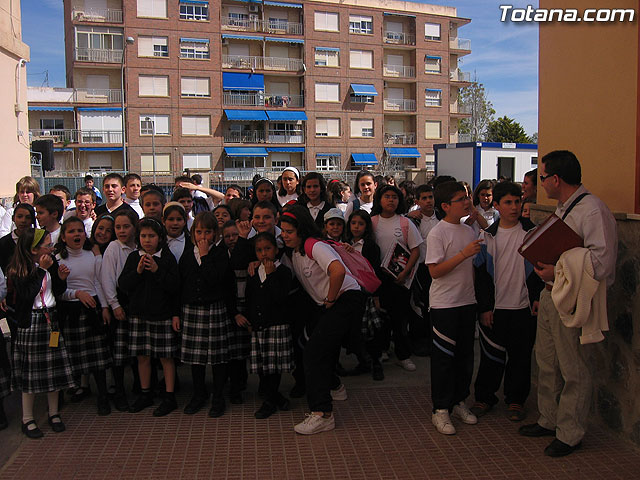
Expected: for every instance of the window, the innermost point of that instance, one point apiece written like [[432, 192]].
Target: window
[[196, 125], [242, 162], [163, 162], [194, 48], [153, 86], [432, 98], [432, 64], [326, 57], [360, 24], [430, 162], [280, 160], [361, 98], [238, 17], [51, 124], [194, 87], [327, 127], [432, 129], [326, 21], [361, 128], [153, 46], [99, 161], [278, 23], [432, 31], [92, 41], [100, 126], [196, 160], [152, 8], [361, 59], [327, 161], [327, 92], [191, 11], [158, 122], [534, 161]]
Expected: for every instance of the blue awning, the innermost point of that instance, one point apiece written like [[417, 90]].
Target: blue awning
[[195, 2], [364, 159], [194, 40], [286, 149], [432, 90], [328, 49], [433, 57], [387, 14], [283, 4], [63, 149], [249, 1], [246, 151], [403, 152], [291, 116], [243, 81], [363, 89], [35, 108], [100, 149], [93, 109], [242, 37], [251, 115], [283, 40], [328, 154]]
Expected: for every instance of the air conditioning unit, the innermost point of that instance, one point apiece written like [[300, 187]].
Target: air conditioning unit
[[253, 8]]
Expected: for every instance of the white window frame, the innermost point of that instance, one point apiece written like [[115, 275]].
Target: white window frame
[[433, 123], [327, 58], [156, 46], [163, 162], [280, 159], [163, 121], [321, 21], [159, 85], [361, 24], [328, 163], [361, 59], [198, 124], [107, 38], [197, 13], [432, 31], [195, 50], [434, 62], [328, 127], [55, 124], [152, 8], [196, 160], [197, 89], [322, 91], [360, 125], [435, 100]]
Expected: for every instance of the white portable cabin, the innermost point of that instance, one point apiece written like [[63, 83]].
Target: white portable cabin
[[476, 161]]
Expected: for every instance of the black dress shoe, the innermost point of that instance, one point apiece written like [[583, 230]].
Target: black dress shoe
[[558, 448], [535, 430], [80, 394], [57, 427], [143, 401], [167, 406], [120, 402], [32, 433], [298, 391], [377, 372], [104, 407], [266, 410], [195, 404], [283, 403], [217, 408]]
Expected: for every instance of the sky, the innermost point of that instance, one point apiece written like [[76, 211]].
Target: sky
[[504, 56]]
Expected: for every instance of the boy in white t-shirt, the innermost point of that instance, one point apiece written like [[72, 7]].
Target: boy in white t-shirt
[[450, 249], [508, 291]]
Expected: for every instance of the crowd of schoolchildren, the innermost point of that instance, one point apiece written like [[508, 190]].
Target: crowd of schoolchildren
[[101, 281]]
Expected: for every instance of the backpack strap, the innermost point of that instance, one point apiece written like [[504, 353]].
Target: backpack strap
[[356, 204], [404, 225], [308, 246], [374, 221], [574, 203]]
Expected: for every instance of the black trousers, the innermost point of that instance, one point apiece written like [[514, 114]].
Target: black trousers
[[323, 347], [395, 300], [506, 349], [452, 354]]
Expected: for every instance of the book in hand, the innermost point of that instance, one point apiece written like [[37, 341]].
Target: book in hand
[[548, 241], [396, 261]]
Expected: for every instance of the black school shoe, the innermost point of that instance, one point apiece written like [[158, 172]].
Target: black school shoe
[[167, 406], [217, 408], [104, 407], [32, 433], [4, 423], [283, 403], [144, 400], [57, 427], [558, 448], [536, 430], [120, 402], [266, 410], [195, 404]]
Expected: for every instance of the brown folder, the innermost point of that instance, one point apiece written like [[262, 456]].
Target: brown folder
[[548, 241]]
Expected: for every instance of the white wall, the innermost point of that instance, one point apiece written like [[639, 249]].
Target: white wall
[[522, 164], [457, 162]]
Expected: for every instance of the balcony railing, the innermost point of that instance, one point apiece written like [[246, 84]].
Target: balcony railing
[[248, 136], [460, 44], [256, 25], [262, 100], [285, 136], [399, 38], [285, 64], [460, 138], [97, 95], [458, 76], [57, 135], [106, 15], [97, 136], [400, 105], [400, 138], [262, 63], [399, 71], [460, 108], [100, 55], [77, 136]]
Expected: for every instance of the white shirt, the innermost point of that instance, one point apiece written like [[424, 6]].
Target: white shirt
[[426, 224], [510, 278], [84, 274], [6, 222], [287, 198], [357, 246], [88, 225], [313, 273], [190, 218], [135, 204], [199, 194], [176, 245], [55, 235], [455, 289], [49, 299], [363, 206], [314, 210], [490, 215], [113, 262], [389, 232]]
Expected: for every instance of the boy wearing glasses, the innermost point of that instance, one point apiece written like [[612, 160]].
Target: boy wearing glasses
[[451, 247], [85, 203]]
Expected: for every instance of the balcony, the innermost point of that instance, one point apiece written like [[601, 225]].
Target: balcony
[[101, 15], [399, 105], [97, 95], [285, 136], [460, 138], [400, 138], [458, 76], [460, 44], [261, 63], [399, 71], [67, 136], [256, 25], [247, 136], [262, 100], [399, 38], [460, 109], [58, 136], [98, 55]]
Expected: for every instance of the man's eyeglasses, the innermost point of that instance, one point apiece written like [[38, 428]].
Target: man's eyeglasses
[[544, 177], [461, 199]]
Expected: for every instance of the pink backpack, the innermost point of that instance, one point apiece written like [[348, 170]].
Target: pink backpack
[[358, 266], [404, 225]]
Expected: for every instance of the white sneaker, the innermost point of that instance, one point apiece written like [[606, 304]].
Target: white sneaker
[[315, 424], [407, 364], [462, 412], [339, 393], [442, 422]]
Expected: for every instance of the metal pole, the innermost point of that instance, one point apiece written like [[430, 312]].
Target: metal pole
[[153, 148], [126, 41]]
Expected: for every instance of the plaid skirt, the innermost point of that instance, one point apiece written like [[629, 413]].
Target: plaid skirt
[[37, 367], [372, 321], [272, 350], [85, 338], [152, 338], [119, 342], [206, 334]]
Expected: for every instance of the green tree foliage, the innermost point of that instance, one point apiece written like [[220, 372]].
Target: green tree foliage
[[506, 129], [473, 99]]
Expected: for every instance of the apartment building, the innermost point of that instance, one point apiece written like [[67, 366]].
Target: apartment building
[[233, 85]]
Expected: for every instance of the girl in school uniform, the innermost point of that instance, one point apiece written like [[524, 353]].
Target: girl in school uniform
[[174, 217], [265, 191], [314, 197], [102, 233], [24, 217], [364, 189], [81, 318], [151, 279], [290, 186], [27, 191], [113, 260], [339, 301], [5, 365], [40, 360], [208, 307], [334, 225], [271, 343], [222, 214]]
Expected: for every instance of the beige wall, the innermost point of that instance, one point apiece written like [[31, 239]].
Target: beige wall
[[588, 99], [15, 158]]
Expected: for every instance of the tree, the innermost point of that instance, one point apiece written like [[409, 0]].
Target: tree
[[506, 130], [473, 99], [534, 138]]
